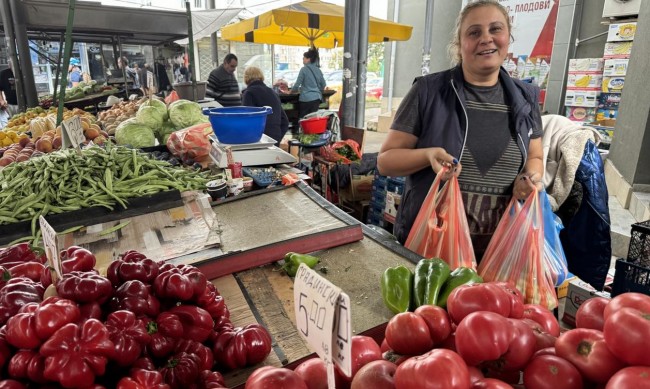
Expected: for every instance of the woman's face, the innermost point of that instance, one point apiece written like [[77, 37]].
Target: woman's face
[[484, 40]]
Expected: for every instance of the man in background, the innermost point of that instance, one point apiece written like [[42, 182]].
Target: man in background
[[222, 83], [8, 98]]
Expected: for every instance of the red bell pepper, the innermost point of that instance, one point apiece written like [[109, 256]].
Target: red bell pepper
[[91, 310], [143, 379], [120, 271], [164, 331], [12, 384], [75, 354], [182, 282], [76, 258], [214, 303], [132, 256], [210, 380], [22, 252], [128, 334], [31, 270], [16, 293], [193, 347], [181, 370], [197, 322], [84, 287], [5, 349], [135, 296], [27, 364], [21, 331], [145, 363], [243, 346]]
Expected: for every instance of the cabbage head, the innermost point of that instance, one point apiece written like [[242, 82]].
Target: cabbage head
[[164, 132], [158, 104], [185, 113], [133, 133], [149, 116]]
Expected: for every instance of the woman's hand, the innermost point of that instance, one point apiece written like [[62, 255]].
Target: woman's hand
[[439, 159], [525, 183]]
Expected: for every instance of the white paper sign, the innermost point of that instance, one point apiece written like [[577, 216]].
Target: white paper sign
[[150, 81], [323, 319], [51, 247], [73, 132]]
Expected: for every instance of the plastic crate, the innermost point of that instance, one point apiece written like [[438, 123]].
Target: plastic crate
[[631, 277], [639, 248]]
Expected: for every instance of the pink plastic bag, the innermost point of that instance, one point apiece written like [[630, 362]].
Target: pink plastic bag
[[191, 143], [440, 230]]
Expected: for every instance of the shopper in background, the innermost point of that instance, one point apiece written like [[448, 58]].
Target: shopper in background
[[8, 97], [74, 73], [310, 83], [222, 83], [161, 77], [257, 94], [131, 73], [473, 113]]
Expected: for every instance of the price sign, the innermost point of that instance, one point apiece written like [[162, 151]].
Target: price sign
[[73, 133], [323, 319], [150, 81], [51, 247]]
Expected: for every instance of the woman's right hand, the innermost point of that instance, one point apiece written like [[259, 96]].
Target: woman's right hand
[[439, 158]]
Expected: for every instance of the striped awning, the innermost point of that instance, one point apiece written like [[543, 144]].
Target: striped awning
[[311, 22]]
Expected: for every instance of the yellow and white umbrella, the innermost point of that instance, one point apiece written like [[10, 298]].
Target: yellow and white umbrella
[[309, 23]]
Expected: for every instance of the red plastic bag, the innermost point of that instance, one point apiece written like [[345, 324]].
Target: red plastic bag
[[173, 96], [440, 229], [516, 253], [335, 152], [191, 143]]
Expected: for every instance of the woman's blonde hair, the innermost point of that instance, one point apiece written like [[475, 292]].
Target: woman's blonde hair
[[253, 73], [454, 46]]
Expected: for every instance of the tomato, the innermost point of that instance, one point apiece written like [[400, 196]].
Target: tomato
[[633, 377], [544, 317], [376, 375], [437, 320], [274, 377], [543, 338], [437, 369], [551, 372], [314, 372], [408, 333], [516, 299], [626, 334], [482, 336], [544, 351], [475, 374], [478, 297], [384, 346], [630, 300], [521, 347], [395, 358], [363, 350], [591, 313], [586, 349], [490, 383]]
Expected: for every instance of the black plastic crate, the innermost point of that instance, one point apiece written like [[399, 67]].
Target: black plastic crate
[[631, 277], [639, 249]]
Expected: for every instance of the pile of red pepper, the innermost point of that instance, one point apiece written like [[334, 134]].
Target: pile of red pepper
[[143, 325]]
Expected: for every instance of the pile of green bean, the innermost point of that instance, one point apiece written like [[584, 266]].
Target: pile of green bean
[[69, 180]]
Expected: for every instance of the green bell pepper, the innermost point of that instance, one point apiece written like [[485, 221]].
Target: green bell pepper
[[460, 276], [293, 260], [430, 276], [397, 288]]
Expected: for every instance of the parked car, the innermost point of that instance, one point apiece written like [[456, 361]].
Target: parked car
[[375, 88]]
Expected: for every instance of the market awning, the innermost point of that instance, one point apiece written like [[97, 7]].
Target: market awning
[[206, 22], [311, 22], [97, 23]]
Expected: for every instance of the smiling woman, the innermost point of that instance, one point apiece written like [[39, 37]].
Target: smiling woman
[[492, 125]]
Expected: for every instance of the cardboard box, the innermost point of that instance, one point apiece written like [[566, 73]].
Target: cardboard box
[[393, 201], [609, 100], [576, 98], [578, 292], [586, 65], [584, 81], [564, 287], [615, 67], [360, 189], [619, 32], [606, 113], [581, 114], [618, 49], [613, 84]]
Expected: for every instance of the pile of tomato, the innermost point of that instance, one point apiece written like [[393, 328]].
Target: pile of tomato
[[489, 339]]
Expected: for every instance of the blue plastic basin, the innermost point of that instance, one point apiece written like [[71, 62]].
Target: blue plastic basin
[[238, 125]]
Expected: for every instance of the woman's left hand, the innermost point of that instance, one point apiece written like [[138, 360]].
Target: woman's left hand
[[524, 184]]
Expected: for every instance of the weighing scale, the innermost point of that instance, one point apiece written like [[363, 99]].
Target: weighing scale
[[259, 153]]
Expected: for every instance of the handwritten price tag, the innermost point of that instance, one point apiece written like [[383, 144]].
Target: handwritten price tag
[[323, 319], [73, 133], [51, 247]]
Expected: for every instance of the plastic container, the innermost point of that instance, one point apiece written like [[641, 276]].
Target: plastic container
[[238, 125], [639, 248], [262, 177], [631, 277], [315, 125], [184, 90]]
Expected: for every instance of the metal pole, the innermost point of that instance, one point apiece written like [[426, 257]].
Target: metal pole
[[391, 66], [190, 44], [360, 111], [428, 29], [351, 48], [124, 66], [22, 44], [214, 48], [11, 46], [66, 60], [58, 68]]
